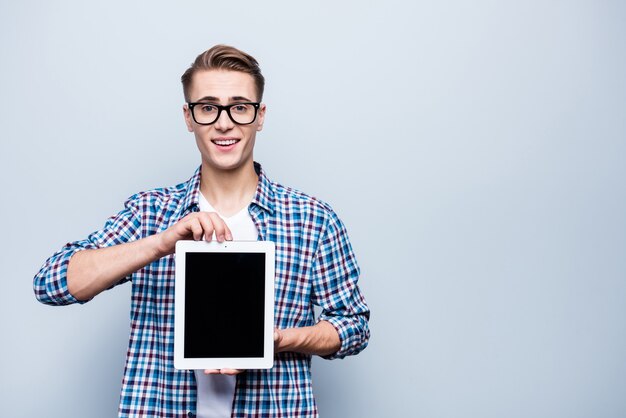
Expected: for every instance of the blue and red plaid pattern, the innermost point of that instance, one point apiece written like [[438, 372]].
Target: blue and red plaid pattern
[[315, 264]]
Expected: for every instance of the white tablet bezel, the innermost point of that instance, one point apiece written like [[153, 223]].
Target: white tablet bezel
[[265, 362]]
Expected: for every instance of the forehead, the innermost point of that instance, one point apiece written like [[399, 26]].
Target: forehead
[[222, 84]]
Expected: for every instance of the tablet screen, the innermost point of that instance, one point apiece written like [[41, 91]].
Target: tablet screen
[[224, 309]]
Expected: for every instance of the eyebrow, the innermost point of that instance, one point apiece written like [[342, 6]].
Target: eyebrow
[[231, 99]]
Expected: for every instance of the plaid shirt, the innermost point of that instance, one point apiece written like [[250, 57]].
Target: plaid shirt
[[314, 265]]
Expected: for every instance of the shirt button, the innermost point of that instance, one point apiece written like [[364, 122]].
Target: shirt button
[[191, 414]]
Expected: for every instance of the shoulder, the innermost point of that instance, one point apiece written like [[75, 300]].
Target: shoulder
[[158, 198], [311, 219], [293, 200]]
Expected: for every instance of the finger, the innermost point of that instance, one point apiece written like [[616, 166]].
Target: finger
[[228, 235], [278, 338], [220, 227], [212, 371], [196, 229], [230, 372], [207, 226]]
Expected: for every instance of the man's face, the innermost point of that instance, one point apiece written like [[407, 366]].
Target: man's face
[[224, 145]]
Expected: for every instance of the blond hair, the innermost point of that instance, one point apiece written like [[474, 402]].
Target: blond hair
[[224, 57]]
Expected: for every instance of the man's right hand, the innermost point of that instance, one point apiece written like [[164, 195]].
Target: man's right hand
[[197, 226]]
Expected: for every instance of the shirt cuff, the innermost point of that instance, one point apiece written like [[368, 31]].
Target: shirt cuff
[[352, 342], [54, 290]]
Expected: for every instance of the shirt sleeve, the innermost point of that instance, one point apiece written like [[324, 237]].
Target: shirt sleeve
[[50, 283], [336, 291]]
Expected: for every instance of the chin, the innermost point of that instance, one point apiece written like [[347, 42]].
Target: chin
[[227, 165]]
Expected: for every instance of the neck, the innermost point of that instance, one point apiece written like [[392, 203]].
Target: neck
[[228, 191]]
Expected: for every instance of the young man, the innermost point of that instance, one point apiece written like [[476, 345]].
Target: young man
[[228, 197]]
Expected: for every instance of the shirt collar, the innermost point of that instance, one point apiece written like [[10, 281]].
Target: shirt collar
[[264, 196], [192, 194]]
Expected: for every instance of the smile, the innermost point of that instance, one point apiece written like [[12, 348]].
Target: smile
[[225, 142]]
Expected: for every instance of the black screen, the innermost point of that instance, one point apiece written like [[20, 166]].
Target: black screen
[[224, 305]]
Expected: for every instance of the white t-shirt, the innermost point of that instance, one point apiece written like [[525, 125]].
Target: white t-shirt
[[216, 392]]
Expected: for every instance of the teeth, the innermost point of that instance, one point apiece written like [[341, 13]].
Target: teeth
[[225, 142]]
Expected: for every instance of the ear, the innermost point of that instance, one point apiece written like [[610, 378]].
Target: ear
[[261, 117], [187, 116]]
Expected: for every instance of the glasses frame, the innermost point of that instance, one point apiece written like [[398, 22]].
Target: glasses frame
[[227, 108]]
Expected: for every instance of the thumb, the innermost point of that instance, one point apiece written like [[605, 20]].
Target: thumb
[[278, 338]]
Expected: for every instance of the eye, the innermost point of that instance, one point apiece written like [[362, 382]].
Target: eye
[[240, 108], [207, 108]]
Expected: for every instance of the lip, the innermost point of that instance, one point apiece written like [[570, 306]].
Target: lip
[[225, 143]]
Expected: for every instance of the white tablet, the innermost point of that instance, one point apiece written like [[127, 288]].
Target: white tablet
[[224, 305]]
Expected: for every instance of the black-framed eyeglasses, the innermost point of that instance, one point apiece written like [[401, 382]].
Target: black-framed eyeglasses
[[204, 113]]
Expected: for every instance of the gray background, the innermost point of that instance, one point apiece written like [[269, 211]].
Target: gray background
[[475, 150]]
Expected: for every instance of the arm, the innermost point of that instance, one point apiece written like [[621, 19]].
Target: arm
[[92, 271], [50, 283], [342, 328], [322, 339], [82, 269], [335, 276]]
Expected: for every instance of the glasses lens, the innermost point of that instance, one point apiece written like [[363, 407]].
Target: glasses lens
[[243, 113], [205, 113]]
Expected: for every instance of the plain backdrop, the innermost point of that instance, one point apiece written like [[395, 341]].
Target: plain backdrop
[[476, 152]]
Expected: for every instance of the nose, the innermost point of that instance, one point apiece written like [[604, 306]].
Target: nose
[[223, 122]]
